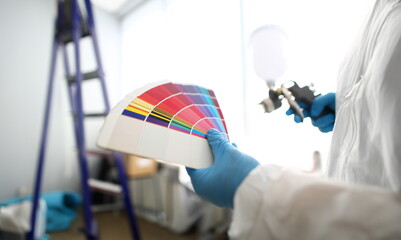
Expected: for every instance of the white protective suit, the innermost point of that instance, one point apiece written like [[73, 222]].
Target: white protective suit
[[364, 201]]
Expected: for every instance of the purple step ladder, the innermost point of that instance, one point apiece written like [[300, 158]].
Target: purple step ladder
[[70, 27]]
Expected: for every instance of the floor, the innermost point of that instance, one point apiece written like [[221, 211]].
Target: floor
[[114, 226]]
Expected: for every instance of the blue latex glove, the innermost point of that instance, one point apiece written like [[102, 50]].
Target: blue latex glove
[[325, 123], [219, 182]]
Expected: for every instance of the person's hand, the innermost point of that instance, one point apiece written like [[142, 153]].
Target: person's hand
[[219, 182], [322, 112]]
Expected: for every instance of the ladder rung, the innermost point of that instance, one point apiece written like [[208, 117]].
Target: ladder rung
[[95, 114], [67, 37], [102, 114], [85, 76], [100, 153], [103, 186]]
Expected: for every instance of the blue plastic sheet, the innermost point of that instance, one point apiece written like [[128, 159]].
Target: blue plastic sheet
[[61, 208]]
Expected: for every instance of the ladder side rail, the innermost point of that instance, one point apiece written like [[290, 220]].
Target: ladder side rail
[[71, 88], [91, 228], [122, 174], [42, 151], [92, 32], [70, 85], [118, 157]]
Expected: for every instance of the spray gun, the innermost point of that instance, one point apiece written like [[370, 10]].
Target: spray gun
[[292, 93], [269, 44]]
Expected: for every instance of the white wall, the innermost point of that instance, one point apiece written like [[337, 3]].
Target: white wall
[[25, 45]]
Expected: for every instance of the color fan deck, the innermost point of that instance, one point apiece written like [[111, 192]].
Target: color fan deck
[[165, 121]]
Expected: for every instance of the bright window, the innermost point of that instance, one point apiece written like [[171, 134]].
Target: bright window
[[187, 41], [206, 43], [320, 33]]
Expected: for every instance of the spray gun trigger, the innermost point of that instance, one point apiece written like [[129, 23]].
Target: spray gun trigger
[[287, 94]]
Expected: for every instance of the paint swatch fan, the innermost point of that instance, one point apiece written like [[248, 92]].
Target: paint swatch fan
[[164, 121]]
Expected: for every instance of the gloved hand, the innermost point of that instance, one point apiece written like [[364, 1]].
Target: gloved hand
[[219, 182], [325, 123]]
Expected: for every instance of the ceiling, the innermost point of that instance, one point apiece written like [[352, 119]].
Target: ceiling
[[118, 7]]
